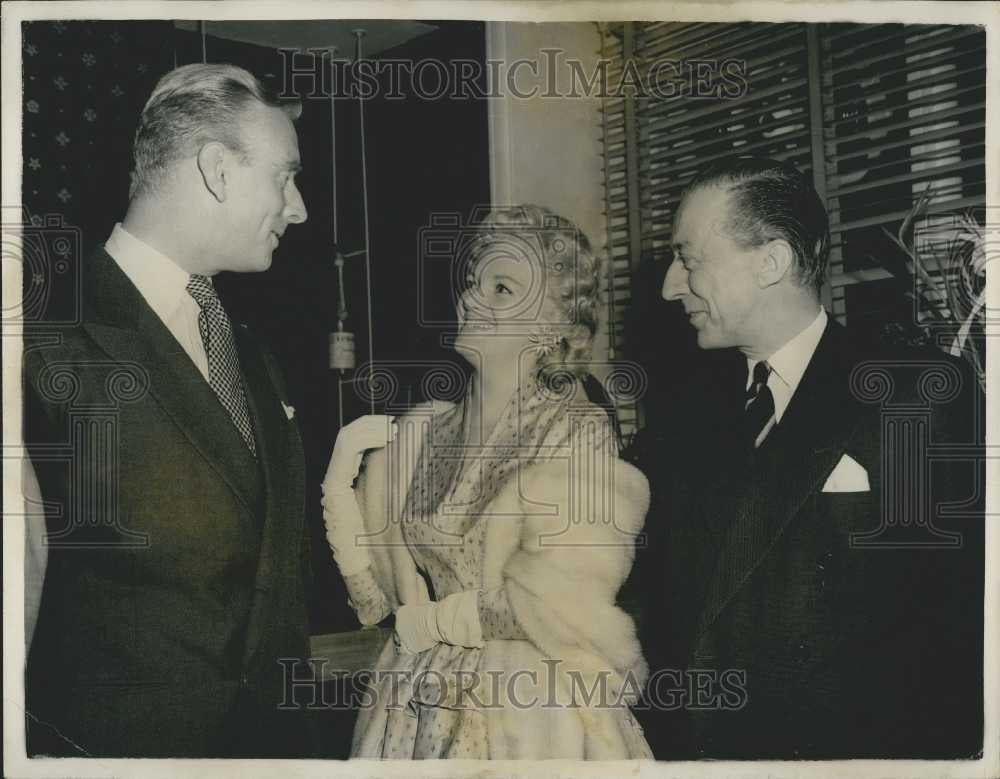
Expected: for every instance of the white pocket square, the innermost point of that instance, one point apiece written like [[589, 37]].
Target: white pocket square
[[289, 410], [848, 476]]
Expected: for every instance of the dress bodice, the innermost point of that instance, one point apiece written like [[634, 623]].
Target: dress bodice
[[445, 520]]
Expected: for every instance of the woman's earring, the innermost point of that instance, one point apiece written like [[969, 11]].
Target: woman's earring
[[544, 340]]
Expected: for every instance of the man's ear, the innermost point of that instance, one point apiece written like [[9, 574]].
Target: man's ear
[[212, 160], [776, 259]]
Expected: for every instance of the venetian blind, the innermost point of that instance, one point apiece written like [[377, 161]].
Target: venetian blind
[[904, 114]]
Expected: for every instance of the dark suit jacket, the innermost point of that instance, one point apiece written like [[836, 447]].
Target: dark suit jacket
[[801, 626], [175, 574]]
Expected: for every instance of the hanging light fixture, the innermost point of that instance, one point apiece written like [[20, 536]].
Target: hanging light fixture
[[341, 342]]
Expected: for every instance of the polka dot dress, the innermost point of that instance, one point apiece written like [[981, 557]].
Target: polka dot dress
[[446, 540], [445, 527]]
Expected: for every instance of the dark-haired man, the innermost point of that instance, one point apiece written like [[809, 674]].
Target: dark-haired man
[[814, 581], [174, 580]]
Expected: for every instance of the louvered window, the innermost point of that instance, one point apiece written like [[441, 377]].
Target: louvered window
[[904, 113], [875, 113]]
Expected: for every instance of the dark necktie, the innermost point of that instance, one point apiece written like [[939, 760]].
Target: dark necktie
[[759, 407], [223, 362]]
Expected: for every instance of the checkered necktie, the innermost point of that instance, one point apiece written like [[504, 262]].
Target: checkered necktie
[[223, 362], [759, 406]]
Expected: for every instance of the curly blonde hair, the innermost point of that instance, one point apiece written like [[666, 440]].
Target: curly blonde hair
[[572, 279]]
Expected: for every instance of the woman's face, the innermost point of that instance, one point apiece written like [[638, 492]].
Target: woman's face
[[504, 302]]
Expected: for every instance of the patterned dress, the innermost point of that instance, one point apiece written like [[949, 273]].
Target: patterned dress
[[444, 531]]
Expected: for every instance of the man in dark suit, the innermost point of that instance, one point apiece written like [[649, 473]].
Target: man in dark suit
[[813, 580], [174, 582]]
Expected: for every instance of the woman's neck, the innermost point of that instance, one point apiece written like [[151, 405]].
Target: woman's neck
[[489, 395]]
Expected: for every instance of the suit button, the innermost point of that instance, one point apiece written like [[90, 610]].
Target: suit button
[[244, 680], [803, 652]]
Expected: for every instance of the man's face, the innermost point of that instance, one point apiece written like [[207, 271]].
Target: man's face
[[711, 275], [261, 196]]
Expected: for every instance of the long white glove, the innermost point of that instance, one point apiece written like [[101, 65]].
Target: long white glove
[[341, 514], [454, 620]]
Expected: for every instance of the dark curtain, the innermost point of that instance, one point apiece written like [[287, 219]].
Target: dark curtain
[[84, 86]]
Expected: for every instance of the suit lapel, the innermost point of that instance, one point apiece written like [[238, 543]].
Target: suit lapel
[[120, 321], [796, 458], [278, 451], [126, 328]]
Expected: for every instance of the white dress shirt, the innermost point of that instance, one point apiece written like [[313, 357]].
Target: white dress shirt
[[163, 284], [787, 366]]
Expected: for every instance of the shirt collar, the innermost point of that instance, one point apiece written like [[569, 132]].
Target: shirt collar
[[789, 363], [160, 280]]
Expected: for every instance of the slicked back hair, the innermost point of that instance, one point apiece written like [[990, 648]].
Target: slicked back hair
[[771, 200], [190, 106]]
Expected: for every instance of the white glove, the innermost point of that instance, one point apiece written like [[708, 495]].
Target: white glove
[[454, 620], [372, 431], [344, 526], [341, 514], [416, 627]]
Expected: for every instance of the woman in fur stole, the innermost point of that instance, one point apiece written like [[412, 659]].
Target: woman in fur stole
[[498, 529]]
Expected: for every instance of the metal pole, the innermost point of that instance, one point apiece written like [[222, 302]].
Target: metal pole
[[358, 35], [333, 149]]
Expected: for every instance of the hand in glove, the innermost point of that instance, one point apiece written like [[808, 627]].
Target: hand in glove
[[454, 620], [341, 514], [372, 431]]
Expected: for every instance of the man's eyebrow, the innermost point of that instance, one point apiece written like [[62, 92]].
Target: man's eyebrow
[[295, 165]]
